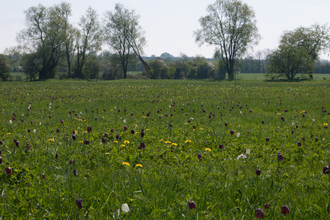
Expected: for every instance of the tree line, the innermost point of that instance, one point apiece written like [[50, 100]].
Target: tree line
[[51, 45]]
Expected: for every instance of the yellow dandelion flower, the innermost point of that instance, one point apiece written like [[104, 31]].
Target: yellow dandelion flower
[[174, 144], [126, 163], [111, 110], [303, 111], [186, 123], [167, 142], [76, 132], [126, 142], [81, 141], [279, 113], [123, 145], [148, 129], [8, 133], [138, 165], [202, 129], [50, 139], [207, 149], [325, 124], [84, 132], [144, 116], [115, 142], [193, 129], [136, 132], [160, 140], [188, 141], [135, 125]]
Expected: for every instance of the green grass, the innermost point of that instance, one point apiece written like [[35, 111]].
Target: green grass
[[171, 176], [261, 76]]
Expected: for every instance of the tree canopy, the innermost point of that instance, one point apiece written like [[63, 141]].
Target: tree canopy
[[123, 34], [298, 52], [231, 26]]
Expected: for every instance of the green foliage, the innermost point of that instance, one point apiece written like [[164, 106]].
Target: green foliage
[[298, 52], [158, 68], [4, 68], [170, 71], [93, 67], [288, 61]]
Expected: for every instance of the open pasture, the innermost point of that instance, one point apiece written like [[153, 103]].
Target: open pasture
[[164, 150]]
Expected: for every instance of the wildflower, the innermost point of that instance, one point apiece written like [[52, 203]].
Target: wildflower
[[115, 142], [201, 129], [81, 141], [126, 142], [192, 205], [259, 213], [285, 210], [174, 144], [188, 141], [138, 165], [279, 113], [123, 145], [167, 142], [126, 163], [148, 129], [280, 156], [325, 124], [303, 111], [124, 207], [243, 156], [8, 133], [238, 134], [207, 149], [50, 139], [34, 130], [160, 140], [248, 151], [10, 122], [258, 172], [79, 203], [135, 125]]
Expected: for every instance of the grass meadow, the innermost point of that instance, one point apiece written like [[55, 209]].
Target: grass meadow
[[164, 149]]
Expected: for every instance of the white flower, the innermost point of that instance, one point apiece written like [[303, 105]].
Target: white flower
[[238, 134], [50, 107], [10, 122], [191, 118], [124, 207], [240, 112], [124, 120], [34, 130], [243, 156], [293, 123], [169, 106], [81, 113], [40, 123], [50, 103], [22, 114], [247, 150], [313, 120]]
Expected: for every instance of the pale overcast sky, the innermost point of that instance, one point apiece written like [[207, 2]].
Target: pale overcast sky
[[169, 25]]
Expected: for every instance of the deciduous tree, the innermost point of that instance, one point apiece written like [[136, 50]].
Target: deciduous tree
[[123, 34], [231, 26]]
